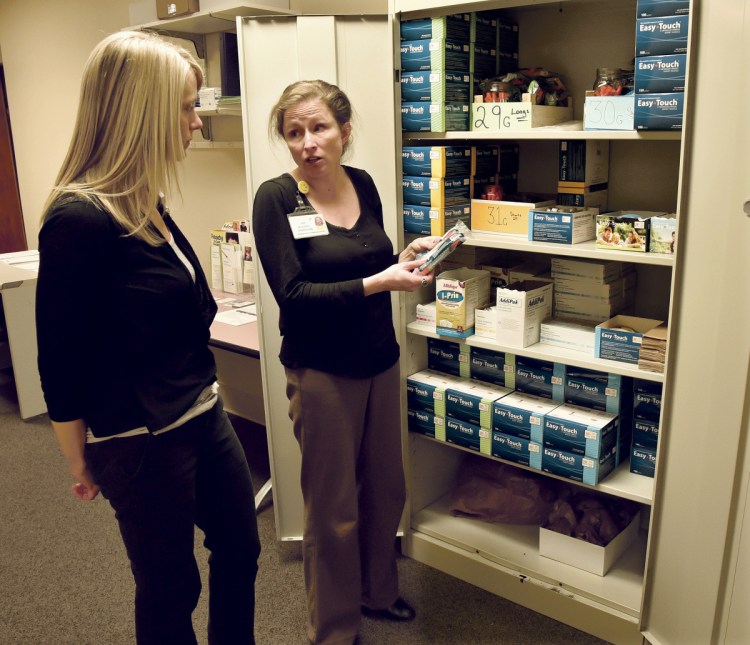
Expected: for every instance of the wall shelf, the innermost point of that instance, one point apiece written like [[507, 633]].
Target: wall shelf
[[211, 21]]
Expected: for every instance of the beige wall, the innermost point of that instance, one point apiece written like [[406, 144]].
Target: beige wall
[[45, 45]]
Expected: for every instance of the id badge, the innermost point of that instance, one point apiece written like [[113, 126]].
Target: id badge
[[306, 222]]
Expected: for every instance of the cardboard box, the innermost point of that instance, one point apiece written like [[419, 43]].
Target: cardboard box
[[489, 366], [580, 431], [660, 74], [585, 161], [448, 357], [516, 116], [459, 293], [485, 322], [584, 555], [657, 8], [472, 401], [540, 378], [562, 224], [436, 86], [521, 308], [436, 192], [521, 415], [647, 400], [426, 220], [456, 26], [166, 9], [483, 59], [609, 112], [645, 434], [596, 196], [434, 117], [426, 315], [568, 334], [588, 270], [425, 391], [620, 338], [510, 217], [425, 423], [663, 237], [437, 161], [643, 461], [535, 267], [435, 55], [659, 111], [662, 36], [587, 470], [518, 450], [596, 390], [468, 435], [624, 230]]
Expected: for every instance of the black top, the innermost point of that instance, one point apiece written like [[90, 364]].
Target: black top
[[122, 329], [326, 321]]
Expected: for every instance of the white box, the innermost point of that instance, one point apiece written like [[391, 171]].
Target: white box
[[459, 293], [485, 322], [569, 334], [427, 315], [584, 555], [521, 308]]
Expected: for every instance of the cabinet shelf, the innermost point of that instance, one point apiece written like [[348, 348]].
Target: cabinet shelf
[[567, 130], [208, 22], [619, 483], [546, 352], [234, 110], [517, 548]]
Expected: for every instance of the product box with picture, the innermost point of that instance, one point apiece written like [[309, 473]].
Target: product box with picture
[[625, 230], [459, 293]]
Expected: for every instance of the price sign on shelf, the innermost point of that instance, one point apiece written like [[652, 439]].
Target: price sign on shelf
[[609, 113]]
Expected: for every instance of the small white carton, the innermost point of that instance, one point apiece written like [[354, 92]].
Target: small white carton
[[485, 322], [521, 308], [459, 293], [426, 315], [569, 334]]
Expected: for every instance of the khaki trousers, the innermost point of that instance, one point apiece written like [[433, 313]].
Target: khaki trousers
[[353, 488]]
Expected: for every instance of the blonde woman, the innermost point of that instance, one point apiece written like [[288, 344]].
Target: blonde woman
[[320, 238], [123, 316]]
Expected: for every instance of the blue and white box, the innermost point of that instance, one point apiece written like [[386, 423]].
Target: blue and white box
[[436, 192], [518, 450], [647, 400], [425, 220], [472, 401], [645, 434], [597, 390], [436, 55], [490, 366], [620, 338], [468, 435], [540, 378], [427, 424], [581, 431], [659, 8], [587, 470], [435, 117], [425, 391], [643, 461], [437, 161], [562, 224], [521, 415], [436, 86], [659, 111], [448, 357], [660, 74], [457, 26], [662, 35]]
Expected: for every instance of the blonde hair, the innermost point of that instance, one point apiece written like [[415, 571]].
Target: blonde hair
[[331, 95], [126, 141]]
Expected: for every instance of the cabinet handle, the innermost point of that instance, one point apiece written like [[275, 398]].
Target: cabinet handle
[[746, 207]]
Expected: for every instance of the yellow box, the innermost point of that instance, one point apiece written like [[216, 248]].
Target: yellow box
[[503, 216], [524, 115], [459, 293]]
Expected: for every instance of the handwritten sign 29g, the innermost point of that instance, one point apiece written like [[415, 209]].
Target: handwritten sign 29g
[[499, 117]]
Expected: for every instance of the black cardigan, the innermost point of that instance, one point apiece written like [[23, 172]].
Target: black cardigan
[[326, 321], [122, 330]]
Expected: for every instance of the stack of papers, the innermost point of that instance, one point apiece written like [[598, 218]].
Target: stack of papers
[[654, 349]]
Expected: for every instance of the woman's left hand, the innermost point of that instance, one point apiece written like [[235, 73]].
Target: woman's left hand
[[417, 246]]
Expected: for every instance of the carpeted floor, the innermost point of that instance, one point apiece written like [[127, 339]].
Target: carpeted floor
[[65, 579]]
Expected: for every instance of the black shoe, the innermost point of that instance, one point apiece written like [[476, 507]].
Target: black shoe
[[400, 610]]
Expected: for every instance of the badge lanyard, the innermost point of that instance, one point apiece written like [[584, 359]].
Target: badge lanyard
[[305, 221]]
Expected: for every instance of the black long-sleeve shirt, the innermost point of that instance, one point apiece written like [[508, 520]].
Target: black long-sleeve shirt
[[122, 329], [326, 321]]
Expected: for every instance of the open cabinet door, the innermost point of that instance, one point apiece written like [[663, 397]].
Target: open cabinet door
[[356, 53], [691, 553]]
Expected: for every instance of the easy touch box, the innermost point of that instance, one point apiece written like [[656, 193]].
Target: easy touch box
[[518, 450], [425, 391], [437, 161], [659, 111], [490, 366], [456, 26], [580, 431], [645, 434], [580, 468], [521, 415], [661, 36], [448, 357], [468, 435], [660, 74], [436, 55], [584, 161], [620, 338], [472, 401], [521, 308], [597, 390], [643, 461], [434, 117], [647, 400], [595, 196], [562, 225], [459, 293], [436, 86], [658, 8], [436, 192], [540, 378], [427, 424], [425, 220]]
